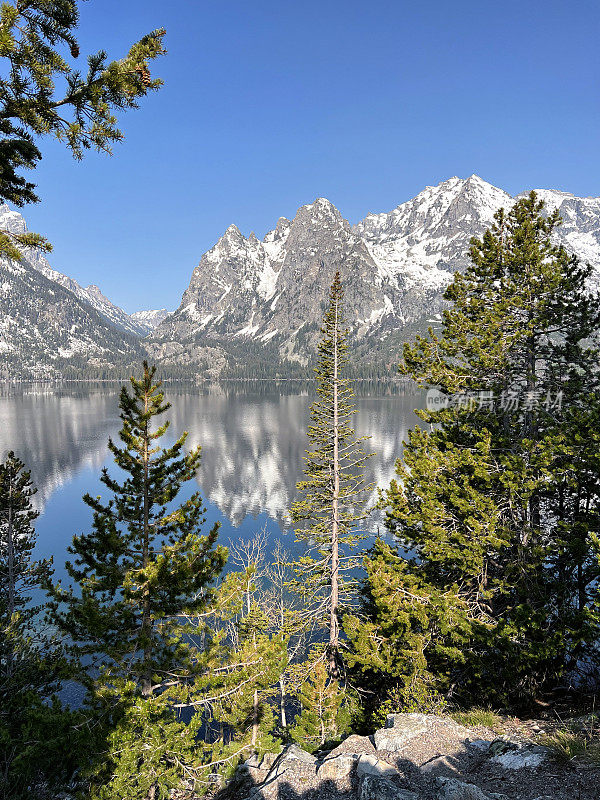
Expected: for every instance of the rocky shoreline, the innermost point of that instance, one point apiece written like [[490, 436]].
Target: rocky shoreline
[[417, 757]]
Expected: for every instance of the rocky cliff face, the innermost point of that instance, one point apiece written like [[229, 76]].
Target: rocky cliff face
[[245, 289], [257, 304], [269, 295]]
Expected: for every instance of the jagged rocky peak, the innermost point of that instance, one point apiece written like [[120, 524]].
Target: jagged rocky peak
[[95, 291], [448, 202], [11, 220], [322, 212], [232, 236], [395, 267], [279, 232]]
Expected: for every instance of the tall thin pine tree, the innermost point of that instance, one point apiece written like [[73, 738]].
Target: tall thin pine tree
[[328, 511]]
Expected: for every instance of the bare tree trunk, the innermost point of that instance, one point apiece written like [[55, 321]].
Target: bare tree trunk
[[146, 621], [334, 600], [255, 718], [282, 713], [321, 723], [11, 566]]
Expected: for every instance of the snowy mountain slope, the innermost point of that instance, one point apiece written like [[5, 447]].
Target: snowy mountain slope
[[148, 320], [46, 331], [268, 295], [273, 291], [424, 239], [15, 223], [580, 228]]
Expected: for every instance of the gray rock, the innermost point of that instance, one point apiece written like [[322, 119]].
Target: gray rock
[[453, 789], [371, 765], [252, 768], [439, 764], [337, 768], [269, 760], [354, 744], [296, 753], [400, 730], [373, 788], [517, 755], [440, 732], [480, 745], [294, 766], [295, 760]]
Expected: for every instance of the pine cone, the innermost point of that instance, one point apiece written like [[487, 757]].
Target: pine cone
[[144, 74]]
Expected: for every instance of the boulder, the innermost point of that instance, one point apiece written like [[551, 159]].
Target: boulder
[[400, 729], [337, 768], [371, 765], [453, 789], [294, 766], [253, 769], [373, 788], [427, 734], [517, 755], [354, 744], [295, 758], [269, 760]]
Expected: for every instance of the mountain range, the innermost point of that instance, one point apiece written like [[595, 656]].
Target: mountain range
[[253, 306], [50, 326]]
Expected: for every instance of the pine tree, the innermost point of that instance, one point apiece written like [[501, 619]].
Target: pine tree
[[263, 659], [324, 716], [144, 577], [407, 633], [271, 608], [34, 39], [476, 507], [326, 516], [33, 727]]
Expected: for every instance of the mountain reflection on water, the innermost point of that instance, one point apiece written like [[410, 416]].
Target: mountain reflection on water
[[253, 440]]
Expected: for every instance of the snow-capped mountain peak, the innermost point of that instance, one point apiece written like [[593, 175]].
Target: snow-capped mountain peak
[[149, 319], [395, 266]]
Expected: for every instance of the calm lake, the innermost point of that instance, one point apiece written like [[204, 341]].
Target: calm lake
[[253, 439]]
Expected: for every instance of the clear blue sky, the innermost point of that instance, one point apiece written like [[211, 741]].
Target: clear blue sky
[[267, 105]]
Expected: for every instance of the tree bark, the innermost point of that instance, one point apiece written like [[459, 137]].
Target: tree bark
[[334, 600], [146, 621], [255, 718], [10, 546], [282, 713]]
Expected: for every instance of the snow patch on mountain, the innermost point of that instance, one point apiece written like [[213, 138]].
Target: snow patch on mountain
[[148, 320]]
